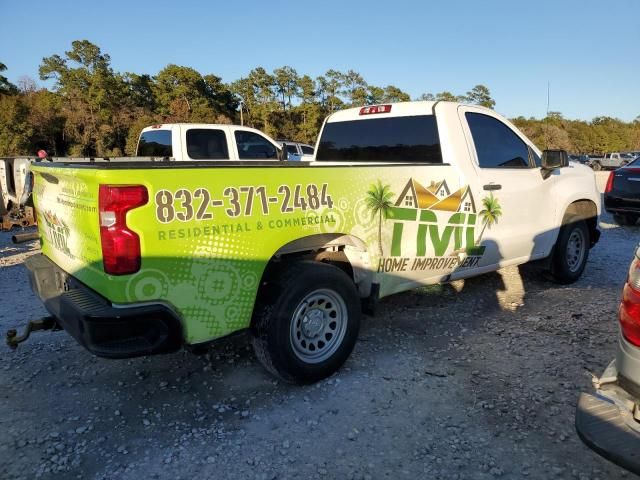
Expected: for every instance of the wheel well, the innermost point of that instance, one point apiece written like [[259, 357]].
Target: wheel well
[[347, 252], [585, 210]]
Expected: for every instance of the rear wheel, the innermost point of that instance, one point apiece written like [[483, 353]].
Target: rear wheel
[[625, 219], [306, 322], [571, 251]]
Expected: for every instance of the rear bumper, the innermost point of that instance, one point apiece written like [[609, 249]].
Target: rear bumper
[[617, 204], [608, 421], [103, 329]]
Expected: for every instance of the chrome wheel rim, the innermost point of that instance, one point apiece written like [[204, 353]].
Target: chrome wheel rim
[[576, 248], [318, 326]]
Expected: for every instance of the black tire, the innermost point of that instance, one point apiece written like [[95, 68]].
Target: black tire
[[596, 166], [284, 345], [625, 219], [567, 265]]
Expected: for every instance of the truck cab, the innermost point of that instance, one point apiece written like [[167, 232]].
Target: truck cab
[[202, 141]]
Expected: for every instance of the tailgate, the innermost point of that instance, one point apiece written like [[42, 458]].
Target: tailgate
[[66, 202]]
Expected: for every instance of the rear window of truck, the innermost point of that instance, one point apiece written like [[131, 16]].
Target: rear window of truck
[[396, 139], [155, 143]]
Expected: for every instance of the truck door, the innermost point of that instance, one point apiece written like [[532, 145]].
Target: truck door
[[512, 200]]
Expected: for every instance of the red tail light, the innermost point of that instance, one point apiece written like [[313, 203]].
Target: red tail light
[[629, 312], [120, 245], [609, 186]]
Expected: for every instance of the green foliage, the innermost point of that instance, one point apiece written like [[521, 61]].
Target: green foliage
[[15, 131], [6, 87], [480, 95], [93, 110]]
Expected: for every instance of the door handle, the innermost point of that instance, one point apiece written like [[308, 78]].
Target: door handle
[[492, 186]]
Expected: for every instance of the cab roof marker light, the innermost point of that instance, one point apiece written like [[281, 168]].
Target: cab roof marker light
[[374, 109]]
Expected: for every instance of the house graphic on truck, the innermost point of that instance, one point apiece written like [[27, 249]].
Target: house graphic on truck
[[436, 196]]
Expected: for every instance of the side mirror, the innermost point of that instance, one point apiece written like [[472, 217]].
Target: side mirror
[[283, 154], [552, 159]]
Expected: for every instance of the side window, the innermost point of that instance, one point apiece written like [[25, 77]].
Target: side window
[[206, 144], [155, 143], [497, 146], [306, 150], [292, 149], [252, 146]]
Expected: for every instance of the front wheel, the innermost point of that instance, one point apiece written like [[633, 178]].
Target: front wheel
[[596, 166], [571, 251], [306, 322]]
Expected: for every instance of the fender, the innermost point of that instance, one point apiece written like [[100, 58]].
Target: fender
[[327, 245]]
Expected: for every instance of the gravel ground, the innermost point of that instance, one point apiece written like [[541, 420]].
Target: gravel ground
[[477, 379]]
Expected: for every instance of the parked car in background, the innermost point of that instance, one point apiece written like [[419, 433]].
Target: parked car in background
[[622, 194], [298, 151], [609, 161], [608, 421]]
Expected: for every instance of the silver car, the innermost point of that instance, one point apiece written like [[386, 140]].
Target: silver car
[[608, 420]]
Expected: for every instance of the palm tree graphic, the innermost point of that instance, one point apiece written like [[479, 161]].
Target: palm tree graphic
[[490, 214], [379, 202]]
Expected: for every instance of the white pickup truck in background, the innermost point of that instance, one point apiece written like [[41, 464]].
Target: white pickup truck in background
[[611, 160], [204, 141]]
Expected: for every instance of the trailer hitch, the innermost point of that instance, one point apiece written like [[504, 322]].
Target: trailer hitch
[[44, 323]]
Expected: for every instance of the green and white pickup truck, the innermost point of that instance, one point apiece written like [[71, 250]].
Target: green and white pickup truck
[[142, 258]]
